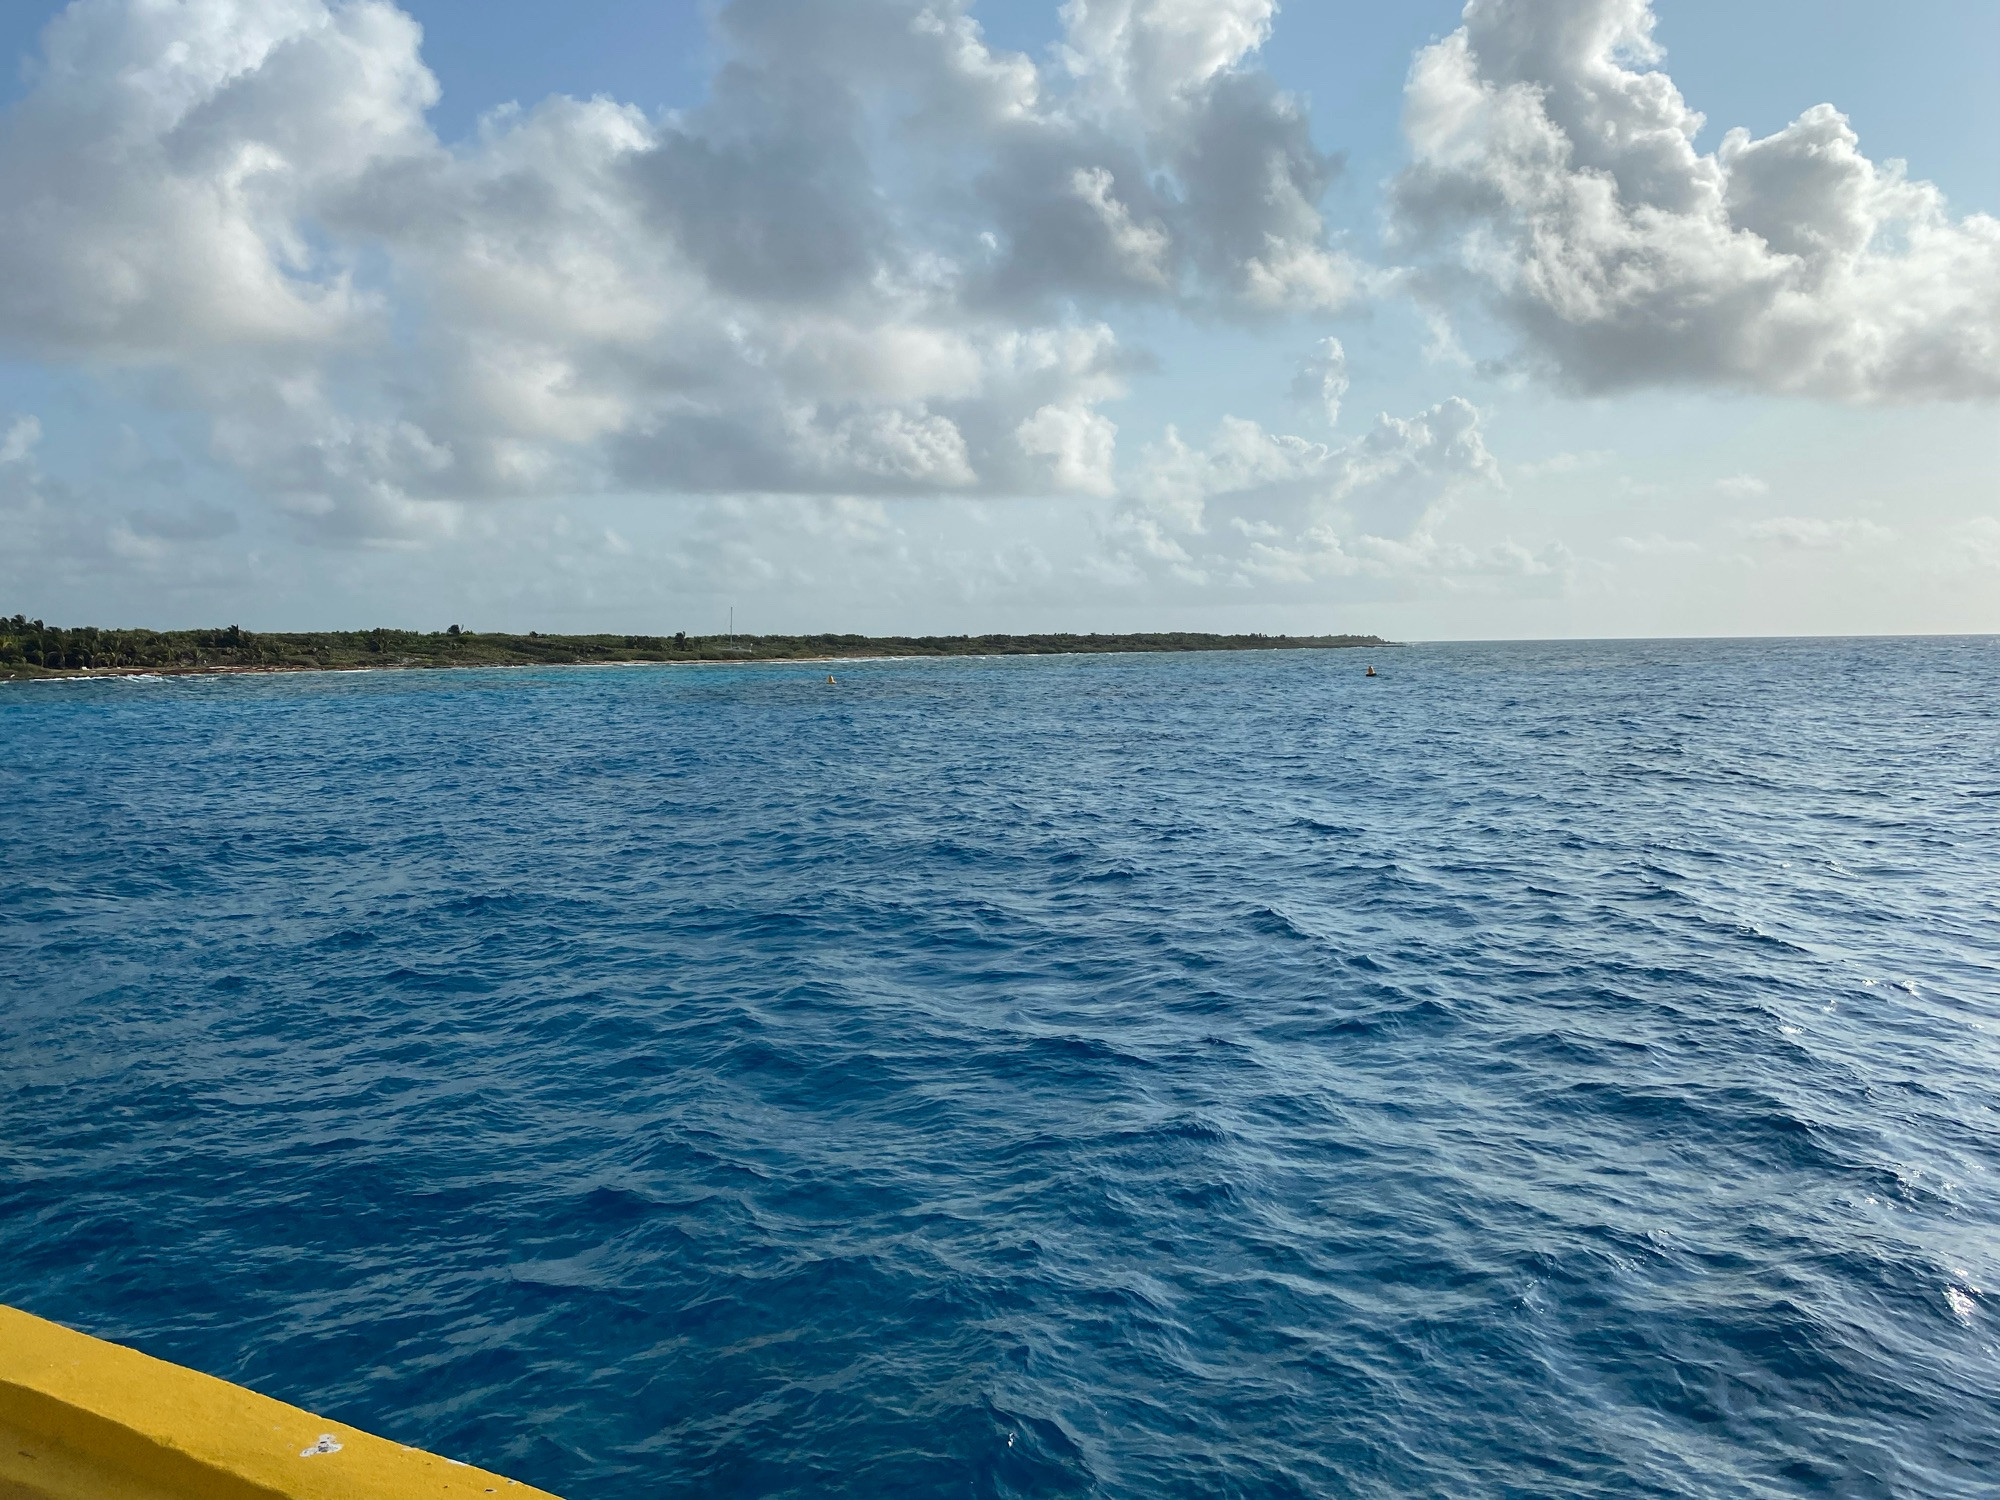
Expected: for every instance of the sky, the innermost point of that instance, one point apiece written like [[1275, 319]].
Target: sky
[[1527, 318]]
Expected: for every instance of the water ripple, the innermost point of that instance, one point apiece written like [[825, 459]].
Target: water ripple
[[1541, 1070]]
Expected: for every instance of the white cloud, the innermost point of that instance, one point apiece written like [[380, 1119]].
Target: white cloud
[[1441, 342], [1079, 443], [58, 537], [1158, 53], [1159, 162], [1139, 251], [868, 265], [18, 446], [1554, 166], [161, 174], [1813, 534], [1743, 487], [1564, 463], [1322, 379], [23, 486], [1654, 544], [1255, 507], [1978, 541]]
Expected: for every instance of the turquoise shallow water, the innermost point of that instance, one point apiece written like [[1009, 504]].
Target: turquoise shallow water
[[1542, 1070]]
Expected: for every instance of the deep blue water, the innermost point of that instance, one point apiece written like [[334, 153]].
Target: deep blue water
[[1561, 1070]]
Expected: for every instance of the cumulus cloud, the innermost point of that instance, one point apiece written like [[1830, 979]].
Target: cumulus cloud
[[873, 262], [1220, 186], [1322, 379], [1554, 167], [161, 174], [1252, 506]]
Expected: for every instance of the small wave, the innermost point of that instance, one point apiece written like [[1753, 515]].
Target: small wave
[[1331, 830], [1008, 1089], [1274, 923]]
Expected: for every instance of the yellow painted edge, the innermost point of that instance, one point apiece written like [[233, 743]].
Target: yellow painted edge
[[70, 1403]]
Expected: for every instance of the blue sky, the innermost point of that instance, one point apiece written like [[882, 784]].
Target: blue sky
[[912, 315]]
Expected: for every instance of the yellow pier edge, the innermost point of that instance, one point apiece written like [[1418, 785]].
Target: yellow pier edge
[[83, 1419]]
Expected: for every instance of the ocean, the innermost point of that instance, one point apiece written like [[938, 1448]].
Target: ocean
[[1539, 1070]]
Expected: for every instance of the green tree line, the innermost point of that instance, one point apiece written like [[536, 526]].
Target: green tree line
[[33, 648]]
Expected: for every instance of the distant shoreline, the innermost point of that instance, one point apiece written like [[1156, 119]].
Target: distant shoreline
[[32, 651]]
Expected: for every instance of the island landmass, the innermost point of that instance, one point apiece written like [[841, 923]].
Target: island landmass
[[29, 648]]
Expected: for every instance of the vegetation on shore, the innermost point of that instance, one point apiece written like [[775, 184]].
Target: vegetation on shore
[[28, 648]]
